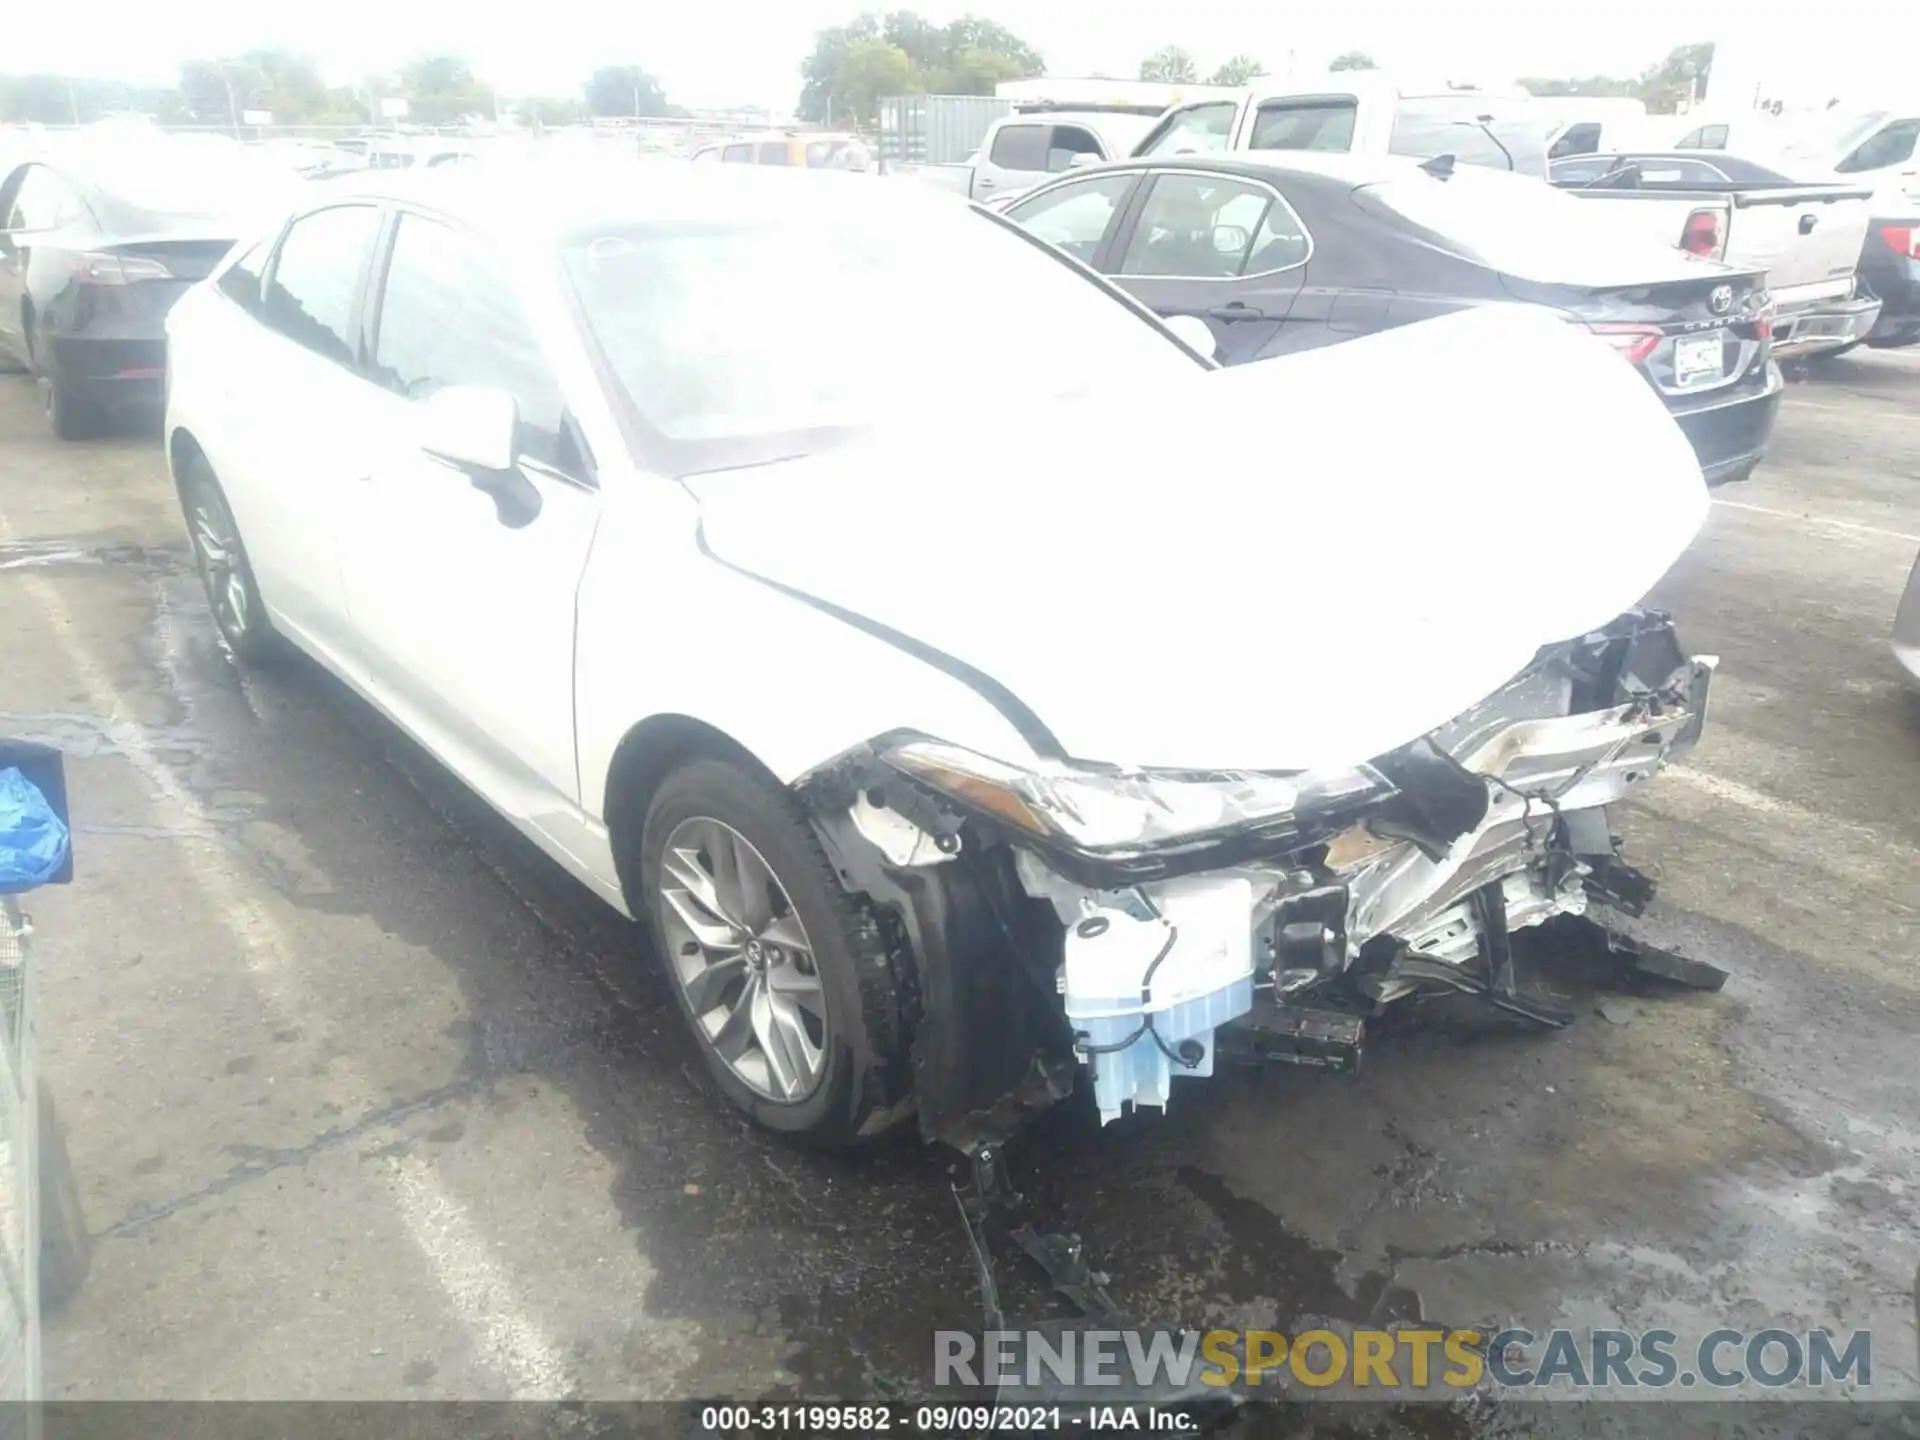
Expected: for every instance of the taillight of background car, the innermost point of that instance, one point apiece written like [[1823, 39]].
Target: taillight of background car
[[1701, 235], [103, 267], [1902, 240]]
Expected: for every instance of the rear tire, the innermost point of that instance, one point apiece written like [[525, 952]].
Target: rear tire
[[69, 416], [846, 1078], [225, 572], [66, 1250]]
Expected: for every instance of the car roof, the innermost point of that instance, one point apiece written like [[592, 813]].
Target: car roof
[[537, 197], [1355, 170]]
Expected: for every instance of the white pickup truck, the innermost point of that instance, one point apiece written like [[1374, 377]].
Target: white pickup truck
[[1019, 151], [1806, 237], [1363, 112]]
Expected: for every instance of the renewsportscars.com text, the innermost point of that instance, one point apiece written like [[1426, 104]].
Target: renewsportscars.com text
[[1409, 1359]]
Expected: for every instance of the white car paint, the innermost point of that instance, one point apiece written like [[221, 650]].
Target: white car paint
[[1251, 568], [1305, 592]]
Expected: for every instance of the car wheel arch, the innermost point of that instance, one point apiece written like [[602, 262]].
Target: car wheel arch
[[647, 754]]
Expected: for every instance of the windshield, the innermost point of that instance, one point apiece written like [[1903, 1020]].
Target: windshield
[[1831, 135], [740, 339], [1492, 131], [150, 180]]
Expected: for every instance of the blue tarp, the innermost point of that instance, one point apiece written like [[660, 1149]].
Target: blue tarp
[[34, 842]]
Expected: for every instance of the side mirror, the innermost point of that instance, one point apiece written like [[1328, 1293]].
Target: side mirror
[[469, 428], [1194, 333]]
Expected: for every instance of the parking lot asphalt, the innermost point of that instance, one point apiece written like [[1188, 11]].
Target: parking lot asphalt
[[366, 1101]]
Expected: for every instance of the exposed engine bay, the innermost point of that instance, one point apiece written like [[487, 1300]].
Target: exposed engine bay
[[1274, 937]]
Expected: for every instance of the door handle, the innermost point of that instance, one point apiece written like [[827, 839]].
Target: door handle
[[1234, 312], [1807, 222]]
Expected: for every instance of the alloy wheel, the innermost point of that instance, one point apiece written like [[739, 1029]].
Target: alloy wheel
[[743, 960], [217, 548]]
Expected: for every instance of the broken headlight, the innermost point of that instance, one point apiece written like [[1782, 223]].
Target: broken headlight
[[1119, 810]]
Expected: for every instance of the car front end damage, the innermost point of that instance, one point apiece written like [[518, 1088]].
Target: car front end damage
[[1248, 916]]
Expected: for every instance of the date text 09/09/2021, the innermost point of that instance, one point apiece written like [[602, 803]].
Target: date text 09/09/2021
[[956, 1420]]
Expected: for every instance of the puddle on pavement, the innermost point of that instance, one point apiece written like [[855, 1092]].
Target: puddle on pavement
[[57, 552]]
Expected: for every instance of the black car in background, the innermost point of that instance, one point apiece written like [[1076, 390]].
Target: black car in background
[[1286, 252], [1890, 268], [95, 246]]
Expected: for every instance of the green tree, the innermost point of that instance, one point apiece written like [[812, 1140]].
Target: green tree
[[1604, 85], [443, 90], [1353, 60], [1237, 71], [856, 63], [1170, 64], [1675, 81], [873, 69], [624, 90]]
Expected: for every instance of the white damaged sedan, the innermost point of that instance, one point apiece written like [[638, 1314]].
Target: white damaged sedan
[[967, 684]]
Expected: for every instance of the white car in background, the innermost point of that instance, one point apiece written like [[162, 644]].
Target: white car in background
[[938, 758]]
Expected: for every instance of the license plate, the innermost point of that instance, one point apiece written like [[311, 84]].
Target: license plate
[[1699, 357]]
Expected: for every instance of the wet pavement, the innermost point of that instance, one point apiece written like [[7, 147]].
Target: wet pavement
[[367, 1100]]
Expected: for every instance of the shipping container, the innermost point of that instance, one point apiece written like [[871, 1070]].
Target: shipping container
[[936, 129]]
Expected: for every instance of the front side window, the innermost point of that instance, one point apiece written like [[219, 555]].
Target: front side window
[[1075, 217], [314, 285], [1068, 142], [773, 152], [1200, 226], [737, 155], [1021, 147], [1581, 139], [1892, 146], [1196, 130], [1304, 125], [448, 317]]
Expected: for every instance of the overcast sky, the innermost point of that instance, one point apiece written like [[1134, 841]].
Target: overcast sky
[[747, 51]]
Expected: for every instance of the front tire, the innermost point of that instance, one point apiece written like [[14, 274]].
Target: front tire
[[225, 572], [782, 976]]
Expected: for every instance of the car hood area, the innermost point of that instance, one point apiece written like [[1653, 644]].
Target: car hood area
[[1297, 564]]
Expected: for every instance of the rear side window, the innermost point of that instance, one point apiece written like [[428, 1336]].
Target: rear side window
[[1304, 125], [1021, 147], [1199, 129], [240, 281], [773, 152], [448, 317], [314, 284], [1209, 227], [1892, 146], [1075, 216]]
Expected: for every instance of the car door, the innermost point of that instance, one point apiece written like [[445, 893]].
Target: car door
[[1015, 160], [1079, 216], [291, 407], [1222, 248], [465, 607]]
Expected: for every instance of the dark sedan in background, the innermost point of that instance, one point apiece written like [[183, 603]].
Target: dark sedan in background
[[96, 245], [1280, 253], [1890, 269]]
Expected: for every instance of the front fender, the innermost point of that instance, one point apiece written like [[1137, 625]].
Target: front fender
[[664, 630]]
